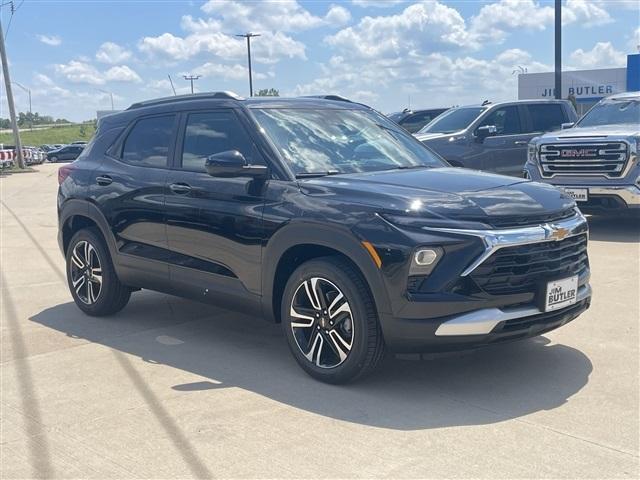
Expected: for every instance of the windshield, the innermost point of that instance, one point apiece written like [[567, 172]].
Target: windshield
[[454, 120], [612, 112], [327, 141]]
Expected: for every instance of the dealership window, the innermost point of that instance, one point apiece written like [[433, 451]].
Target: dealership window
[[505, 119], [546, 118], [148, 142]]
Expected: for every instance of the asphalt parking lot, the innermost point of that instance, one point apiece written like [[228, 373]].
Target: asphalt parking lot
[[171, 388]]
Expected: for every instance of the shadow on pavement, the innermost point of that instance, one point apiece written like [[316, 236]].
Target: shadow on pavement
[[231, 350], [612, 229]]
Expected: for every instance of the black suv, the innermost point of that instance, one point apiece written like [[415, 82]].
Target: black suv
[[414, 120], [320, 214]]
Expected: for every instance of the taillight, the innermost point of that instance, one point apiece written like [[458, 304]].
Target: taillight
[[63, 173]]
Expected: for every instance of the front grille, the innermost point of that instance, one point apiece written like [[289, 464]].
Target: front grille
[[523, 268], [528, 220], [604, 158]]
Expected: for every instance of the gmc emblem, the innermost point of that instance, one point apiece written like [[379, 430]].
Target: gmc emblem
[[579, 152]]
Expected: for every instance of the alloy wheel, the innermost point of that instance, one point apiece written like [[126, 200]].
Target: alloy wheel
[[86, 272], [322, 322]]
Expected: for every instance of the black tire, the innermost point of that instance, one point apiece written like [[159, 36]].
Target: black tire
[[111, 296], [367, 344], [53, 159]]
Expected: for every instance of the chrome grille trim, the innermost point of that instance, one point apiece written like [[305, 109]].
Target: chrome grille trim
[[509, 237], [609, 159]]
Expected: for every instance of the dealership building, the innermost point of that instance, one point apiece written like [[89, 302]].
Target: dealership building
[[587, 86]]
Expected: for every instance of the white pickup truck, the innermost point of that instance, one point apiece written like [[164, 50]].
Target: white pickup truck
[[594, 160]]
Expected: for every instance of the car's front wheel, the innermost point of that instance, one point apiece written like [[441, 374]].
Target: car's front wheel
[[53, 159], [330, 321], [93, 282]]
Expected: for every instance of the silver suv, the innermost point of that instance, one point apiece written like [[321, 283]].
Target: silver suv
[[494, 136], [596, 160]]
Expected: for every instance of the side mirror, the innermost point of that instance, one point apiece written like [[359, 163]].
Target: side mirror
[[231, 163], [564, 126], [485, 131]]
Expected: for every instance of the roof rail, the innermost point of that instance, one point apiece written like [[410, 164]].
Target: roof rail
[[192, 96], [337, 98]]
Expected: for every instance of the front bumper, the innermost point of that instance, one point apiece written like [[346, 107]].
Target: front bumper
[[439, 321], [479, 328], [614, 197]]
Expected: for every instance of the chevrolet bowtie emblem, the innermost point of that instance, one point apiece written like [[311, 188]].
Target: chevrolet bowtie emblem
[[556, 233]]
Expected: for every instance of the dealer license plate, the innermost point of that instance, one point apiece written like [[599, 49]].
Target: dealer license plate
[[561, 293], [578, 194]]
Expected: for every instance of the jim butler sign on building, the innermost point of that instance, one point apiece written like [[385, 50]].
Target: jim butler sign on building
[[587, 86]]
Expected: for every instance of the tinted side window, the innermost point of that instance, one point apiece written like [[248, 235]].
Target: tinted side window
[[545, 118], [214, 132], [505, 119], [415, 122], [149, 141]]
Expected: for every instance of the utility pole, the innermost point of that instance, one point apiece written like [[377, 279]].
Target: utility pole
[[28, 90], [558, 32], [110, 95], [191, 78], [12, 108], [249, 36]]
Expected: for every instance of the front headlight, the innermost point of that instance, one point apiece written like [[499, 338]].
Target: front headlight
[[532, 153]]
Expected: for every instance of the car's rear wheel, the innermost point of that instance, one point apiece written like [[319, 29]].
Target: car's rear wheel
[[93, 282], [330, 321], [53, 159]]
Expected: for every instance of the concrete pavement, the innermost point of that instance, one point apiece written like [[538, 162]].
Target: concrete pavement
[[171, 388]]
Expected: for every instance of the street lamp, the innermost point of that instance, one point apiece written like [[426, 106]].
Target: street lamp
[[28, 90], [110, 95], [190, 78], [249, 36]]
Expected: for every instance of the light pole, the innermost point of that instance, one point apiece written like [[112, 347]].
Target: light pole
[[249, 36], [558, 52], [191, 78], [28, 90], [110, 95]]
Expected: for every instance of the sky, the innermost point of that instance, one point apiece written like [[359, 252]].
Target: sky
[[389, 54]]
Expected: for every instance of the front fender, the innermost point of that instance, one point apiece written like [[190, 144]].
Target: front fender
[[321, 234]]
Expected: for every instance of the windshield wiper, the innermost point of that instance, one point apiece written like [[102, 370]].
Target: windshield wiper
[[317, 174]]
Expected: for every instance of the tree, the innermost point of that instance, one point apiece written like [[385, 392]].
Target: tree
[[268, 92]]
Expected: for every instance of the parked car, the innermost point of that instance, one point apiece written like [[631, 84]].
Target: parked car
[[596, 160], [34, 155], [414, 120], [66, 153], [320, 214], [494, 137]]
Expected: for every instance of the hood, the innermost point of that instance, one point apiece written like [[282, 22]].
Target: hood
[[620, 130], [452, 193]]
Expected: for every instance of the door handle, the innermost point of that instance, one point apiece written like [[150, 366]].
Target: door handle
[[104, 180], [180, 188], [520, 142]]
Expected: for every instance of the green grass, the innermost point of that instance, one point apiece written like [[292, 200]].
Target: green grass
[[64, 134]]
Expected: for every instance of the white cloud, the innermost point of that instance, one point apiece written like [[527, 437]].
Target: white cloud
[[634, 41], [337, 15], [586, 13], [81, 72], [602, 55], [52, 40], [122, 73], [423, 27], [205, 37], [496, 20], [376, 3], [112, 53], [283, 15]]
